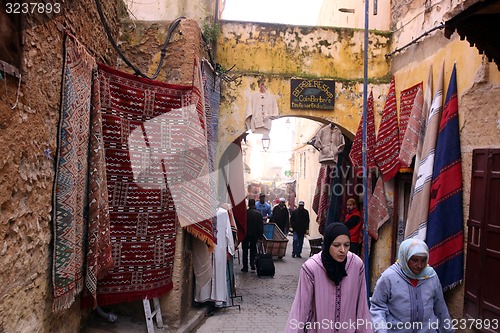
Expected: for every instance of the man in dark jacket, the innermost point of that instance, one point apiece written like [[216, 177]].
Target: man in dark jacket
[[254, 232], [280, 216], [300, 225]]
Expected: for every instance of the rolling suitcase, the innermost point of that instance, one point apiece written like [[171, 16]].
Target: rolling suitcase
[[264, 262]]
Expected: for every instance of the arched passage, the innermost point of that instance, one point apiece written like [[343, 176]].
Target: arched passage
[[293, 176]]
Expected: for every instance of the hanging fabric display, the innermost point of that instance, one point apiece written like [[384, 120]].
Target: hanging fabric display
[[211, 87], [232, 174], [445, 235], [416, 225], [157, 172], [378, 210], [322, 194], [411, 144], [356, 151], [72, 197], [387, 147], [407, 99]]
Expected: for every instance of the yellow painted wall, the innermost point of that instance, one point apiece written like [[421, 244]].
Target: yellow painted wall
[[281, 52]]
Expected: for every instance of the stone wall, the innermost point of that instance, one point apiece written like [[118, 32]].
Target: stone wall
[[27, 173]]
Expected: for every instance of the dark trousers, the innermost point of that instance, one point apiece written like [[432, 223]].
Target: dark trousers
[[249, 242], [298, 242]]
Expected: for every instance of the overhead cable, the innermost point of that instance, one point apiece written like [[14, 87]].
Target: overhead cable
[[138, 72]]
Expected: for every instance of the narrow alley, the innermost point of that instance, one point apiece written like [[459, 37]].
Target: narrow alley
[[266, 301], [265, 304]]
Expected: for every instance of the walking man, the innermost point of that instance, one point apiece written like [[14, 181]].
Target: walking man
[[254, 232], [280, 216], [264, 208], [300, 224]]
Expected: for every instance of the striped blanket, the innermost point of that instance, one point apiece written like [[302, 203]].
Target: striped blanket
[[445, 235]]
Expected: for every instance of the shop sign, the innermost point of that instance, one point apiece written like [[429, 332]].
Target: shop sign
[[312, 94]]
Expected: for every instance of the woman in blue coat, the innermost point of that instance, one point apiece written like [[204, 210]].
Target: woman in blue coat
[[408, 296]]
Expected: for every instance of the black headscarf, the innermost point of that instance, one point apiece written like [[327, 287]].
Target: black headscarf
[[334, 269]]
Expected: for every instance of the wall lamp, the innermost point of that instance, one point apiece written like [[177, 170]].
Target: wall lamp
[[266, 141]]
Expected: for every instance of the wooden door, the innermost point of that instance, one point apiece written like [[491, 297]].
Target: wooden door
[[482, 291]]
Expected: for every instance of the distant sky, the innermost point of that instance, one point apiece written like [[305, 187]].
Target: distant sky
[[296, 12]]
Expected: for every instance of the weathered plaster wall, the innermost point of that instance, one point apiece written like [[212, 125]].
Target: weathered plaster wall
[[281, 52], [330, 15], [27, 175], [165, 10], [141, 44], [477, 81]]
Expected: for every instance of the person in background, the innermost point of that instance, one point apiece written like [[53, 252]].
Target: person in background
[[409, 291], [353, 222], [254, 233], [263, 207], [332, 290], [299, 220], [280, 216]]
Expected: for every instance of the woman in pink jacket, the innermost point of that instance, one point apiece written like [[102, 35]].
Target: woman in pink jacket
[[331, 295]]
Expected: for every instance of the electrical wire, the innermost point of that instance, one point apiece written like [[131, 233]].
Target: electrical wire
[[138, 72], [441, 26]]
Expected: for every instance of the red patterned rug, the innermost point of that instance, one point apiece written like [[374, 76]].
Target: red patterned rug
[[406, 104], [157, 173]]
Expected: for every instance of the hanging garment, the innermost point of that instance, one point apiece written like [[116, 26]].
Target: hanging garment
[[262, 108], [203, 269], [330, 143], [224, 246]]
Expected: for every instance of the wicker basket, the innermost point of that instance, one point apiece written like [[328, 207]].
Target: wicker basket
[[277, 244]]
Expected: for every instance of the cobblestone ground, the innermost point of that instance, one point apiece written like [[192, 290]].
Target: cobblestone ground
[[266, 301]]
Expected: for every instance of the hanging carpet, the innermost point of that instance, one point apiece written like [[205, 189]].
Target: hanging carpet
[[445, 234], [157, 173], [70, 179], [387, 146], [407, 99], [79, 205], [356, 155]]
